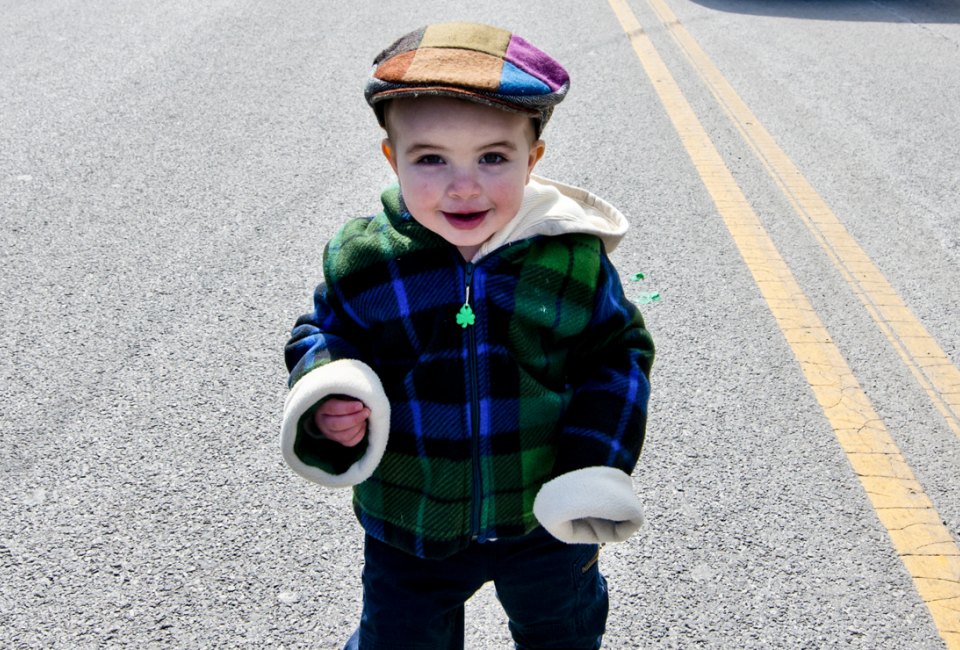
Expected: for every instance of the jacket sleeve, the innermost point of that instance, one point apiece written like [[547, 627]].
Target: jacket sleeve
[[591, 498], [323, 363]]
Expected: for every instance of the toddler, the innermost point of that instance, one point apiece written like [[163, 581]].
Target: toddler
[[471, 366]]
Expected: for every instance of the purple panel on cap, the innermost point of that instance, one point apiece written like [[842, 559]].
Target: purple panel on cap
[[528, 58]]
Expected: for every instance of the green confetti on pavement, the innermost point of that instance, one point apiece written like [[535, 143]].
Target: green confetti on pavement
[[644, 298]]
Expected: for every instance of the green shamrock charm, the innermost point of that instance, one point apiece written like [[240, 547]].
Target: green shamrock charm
[[466, 317]]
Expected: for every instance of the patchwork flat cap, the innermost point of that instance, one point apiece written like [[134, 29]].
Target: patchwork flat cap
[[479, 63]]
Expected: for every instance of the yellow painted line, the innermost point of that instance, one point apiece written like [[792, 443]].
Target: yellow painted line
[[918, 350], [924, 544]]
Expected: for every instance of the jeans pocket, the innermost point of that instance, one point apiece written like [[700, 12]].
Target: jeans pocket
[[591, 562], [592, 599]]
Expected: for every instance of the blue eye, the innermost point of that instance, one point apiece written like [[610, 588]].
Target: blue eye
[[492, 159]]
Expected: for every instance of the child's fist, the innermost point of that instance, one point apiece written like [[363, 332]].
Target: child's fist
[[342, 420]]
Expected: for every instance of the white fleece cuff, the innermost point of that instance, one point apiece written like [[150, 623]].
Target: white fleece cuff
[[342, 377], [589, 506]]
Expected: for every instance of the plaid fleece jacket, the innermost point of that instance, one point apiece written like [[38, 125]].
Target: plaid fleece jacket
[[500, 374]]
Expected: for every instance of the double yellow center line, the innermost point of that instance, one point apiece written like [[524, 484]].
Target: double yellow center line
[[923, 543]]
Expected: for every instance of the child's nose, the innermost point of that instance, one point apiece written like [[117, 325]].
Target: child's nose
[[464, 186]]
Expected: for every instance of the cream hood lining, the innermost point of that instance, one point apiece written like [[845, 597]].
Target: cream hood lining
[[552, 208]]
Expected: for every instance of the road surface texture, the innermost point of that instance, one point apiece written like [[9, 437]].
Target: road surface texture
[[170, 172]]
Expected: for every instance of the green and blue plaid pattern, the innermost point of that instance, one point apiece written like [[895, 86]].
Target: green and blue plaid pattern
[[551, 377]]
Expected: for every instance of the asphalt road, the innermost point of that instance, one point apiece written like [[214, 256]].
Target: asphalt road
[[170, 172]]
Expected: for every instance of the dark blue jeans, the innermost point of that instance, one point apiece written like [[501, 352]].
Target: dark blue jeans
[[553, 594]]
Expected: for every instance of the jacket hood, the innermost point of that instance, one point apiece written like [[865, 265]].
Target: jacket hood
[[552, 208]]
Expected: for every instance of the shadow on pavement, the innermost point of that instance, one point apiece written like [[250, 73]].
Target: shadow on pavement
[[888, 11]]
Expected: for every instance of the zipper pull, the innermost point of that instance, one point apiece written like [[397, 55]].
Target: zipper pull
[[466, 317]]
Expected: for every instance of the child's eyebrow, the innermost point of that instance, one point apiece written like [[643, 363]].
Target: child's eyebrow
[[504, 144], [419, 147]]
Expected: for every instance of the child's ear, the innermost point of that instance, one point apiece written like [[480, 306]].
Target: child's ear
[[387, 148], [536, 153]]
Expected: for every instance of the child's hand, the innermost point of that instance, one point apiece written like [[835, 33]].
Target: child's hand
[[342, 420]]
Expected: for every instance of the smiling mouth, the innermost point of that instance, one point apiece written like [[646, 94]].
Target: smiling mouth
[[465, 218]]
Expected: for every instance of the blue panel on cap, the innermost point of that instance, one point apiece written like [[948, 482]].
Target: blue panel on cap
[[514, 81]]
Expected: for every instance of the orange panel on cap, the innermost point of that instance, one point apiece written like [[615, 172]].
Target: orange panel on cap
[[455, 67], [394, 68]]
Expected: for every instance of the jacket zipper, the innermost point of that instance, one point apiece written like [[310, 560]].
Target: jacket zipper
[[466, 319]]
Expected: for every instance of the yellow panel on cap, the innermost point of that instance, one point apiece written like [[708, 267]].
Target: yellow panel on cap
[[482, 38]]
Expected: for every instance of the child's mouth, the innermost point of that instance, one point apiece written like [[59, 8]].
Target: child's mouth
[[465, 219]]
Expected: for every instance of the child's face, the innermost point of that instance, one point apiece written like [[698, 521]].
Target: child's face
[[462, 166]]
